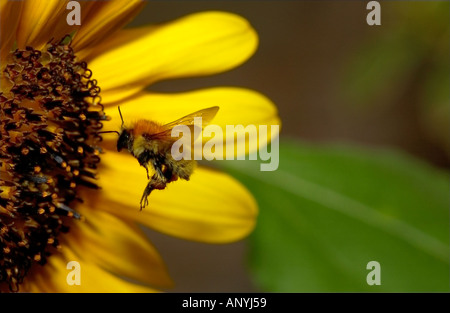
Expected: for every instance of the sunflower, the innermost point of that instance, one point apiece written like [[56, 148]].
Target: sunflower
[[65, 193]]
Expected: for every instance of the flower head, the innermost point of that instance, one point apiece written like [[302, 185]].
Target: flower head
[[65, 194]]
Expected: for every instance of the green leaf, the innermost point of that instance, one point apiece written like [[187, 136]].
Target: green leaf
[[329, 210]]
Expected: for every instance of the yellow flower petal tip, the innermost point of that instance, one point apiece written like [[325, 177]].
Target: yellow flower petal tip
[[199, 44]]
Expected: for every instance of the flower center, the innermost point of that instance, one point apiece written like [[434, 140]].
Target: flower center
[[50, 114]]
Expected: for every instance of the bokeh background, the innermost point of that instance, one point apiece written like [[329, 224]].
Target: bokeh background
[[365, 113]]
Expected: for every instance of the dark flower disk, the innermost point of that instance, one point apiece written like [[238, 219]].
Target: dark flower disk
[[50, 114]]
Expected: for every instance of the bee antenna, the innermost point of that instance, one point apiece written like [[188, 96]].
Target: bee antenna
[[109, 131], [120, 113]]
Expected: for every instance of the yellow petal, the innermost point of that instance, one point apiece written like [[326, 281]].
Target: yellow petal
[[120, 38], [238, 106], [54, 276], [41, 21], [9, 17], [117, 246], [104, 19], [199, 44], [211, 207]]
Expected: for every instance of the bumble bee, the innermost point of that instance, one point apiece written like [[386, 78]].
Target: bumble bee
[[150, 143]]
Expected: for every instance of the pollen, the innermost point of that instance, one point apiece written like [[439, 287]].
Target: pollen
[[50, 114]]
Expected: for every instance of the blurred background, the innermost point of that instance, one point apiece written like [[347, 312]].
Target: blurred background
[[364, 150]]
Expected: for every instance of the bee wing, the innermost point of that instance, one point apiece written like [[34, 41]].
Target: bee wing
[[206, 114]]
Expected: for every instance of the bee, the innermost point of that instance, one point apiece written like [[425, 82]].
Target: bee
[[151, 143]]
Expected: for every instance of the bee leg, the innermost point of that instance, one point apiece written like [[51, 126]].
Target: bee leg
[[144, 199], [143, 159], [158, 181]]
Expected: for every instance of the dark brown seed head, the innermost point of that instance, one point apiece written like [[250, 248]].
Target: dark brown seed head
[[50, 114]]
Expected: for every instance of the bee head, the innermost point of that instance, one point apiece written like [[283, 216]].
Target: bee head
[[123, 140]]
